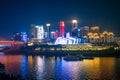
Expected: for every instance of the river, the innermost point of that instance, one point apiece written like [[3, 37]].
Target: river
[[56, 68]]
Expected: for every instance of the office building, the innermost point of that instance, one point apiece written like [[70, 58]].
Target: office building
[[24, 37], [74, 31], [37, 33], [62, 28]]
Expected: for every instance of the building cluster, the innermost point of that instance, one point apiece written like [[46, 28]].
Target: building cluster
[[20, 36], [40, 33], [91, 34]]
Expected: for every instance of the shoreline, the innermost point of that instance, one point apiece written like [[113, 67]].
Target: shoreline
[[105, 53], [59, 50]]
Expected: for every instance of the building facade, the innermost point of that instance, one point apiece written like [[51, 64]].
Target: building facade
[[62, 28]]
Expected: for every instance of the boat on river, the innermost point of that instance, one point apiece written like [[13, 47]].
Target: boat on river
[[73, 58]]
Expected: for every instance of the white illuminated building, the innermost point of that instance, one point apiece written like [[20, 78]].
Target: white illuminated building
[[39, 32], [67, 40]]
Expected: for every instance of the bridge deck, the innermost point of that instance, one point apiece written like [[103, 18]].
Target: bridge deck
[[12, 42]]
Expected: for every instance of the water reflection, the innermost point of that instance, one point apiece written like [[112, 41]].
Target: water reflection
[[42, 68], [24, 67]]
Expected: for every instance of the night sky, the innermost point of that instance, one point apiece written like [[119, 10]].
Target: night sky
[[18, 15]]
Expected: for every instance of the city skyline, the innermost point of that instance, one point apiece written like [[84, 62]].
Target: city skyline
[[19, 15]]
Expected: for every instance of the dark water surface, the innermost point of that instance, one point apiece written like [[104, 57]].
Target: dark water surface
[[55, 68]]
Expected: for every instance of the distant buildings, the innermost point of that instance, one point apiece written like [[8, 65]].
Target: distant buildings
[[24, 37], [17, 36], [87, 34], [20, 36], [84, 31], [94, 29]]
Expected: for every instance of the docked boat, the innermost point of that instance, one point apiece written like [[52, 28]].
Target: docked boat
[[85, 57], [88, 57], [73, 58]]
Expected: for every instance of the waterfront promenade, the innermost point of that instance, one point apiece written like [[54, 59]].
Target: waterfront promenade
[[60, 50]]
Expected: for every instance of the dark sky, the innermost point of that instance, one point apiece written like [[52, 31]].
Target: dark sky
[[18, 15]]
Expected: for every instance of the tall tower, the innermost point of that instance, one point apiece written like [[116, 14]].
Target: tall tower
[[32, 31], [48, 30], [62, 28], [74, 24], [74, 28]]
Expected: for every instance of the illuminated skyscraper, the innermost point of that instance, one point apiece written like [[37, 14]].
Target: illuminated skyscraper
[[37, 32], [74, 28], [48, 30], [62, 28], [74, 24], [32, 31], [56, 34], [52, 35], [24, 37]]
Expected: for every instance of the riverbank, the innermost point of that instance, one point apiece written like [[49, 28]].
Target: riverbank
[[58, 50], [104, 53]]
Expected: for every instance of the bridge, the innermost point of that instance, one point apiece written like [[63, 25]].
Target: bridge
[[11, 43]]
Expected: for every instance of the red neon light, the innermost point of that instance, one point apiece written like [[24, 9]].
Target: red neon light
[[62, 28]]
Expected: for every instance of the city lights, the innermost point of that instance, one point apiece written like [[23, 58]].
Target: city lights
[[59, 40], [47, 25], [74, 21]]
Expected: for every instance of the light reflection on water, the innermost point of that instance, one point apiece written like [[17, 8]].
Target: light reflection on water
[[46, 68]]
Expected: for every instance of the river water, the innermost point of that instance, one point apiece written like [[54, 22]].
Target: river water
[[56, 68]]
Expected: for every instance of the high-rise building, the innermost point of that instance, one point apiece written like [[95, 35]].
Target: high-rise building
[[62, 28], [48, 30], [24, 37], [37, 32], [84, 31], [32, 31], [56, 34], [17, 36], [95, 29], [52, 35], [45, 34], [74, 24], [74, 28]]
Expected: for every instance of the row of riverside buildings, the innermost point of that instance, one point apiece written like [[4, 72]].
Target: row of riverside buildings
[[91, 34], [40, 33]]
